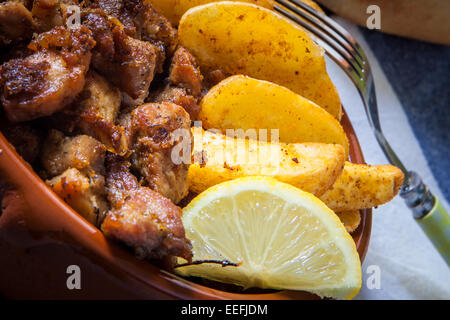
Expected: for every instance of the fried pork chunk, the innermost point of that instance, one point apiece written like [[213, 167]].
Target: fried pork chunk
[[48, 80], [80, 152], [157, 132], [142, 218], [185, 73], [140, 20], [16, 23], [181, 97], [152, 26], [95, 112], [47, 14], [77, 167], [127, 62], [185, 83], [84, 193]]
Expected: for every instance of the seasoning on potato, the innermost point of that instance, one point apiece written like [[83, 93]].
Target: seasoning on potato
[[241, 102], [362, 187], [174, 9], [312, 167], [242, 38]]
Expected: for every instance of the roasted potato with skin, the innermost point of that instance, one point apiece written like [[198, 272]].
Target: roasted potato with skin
[[240, 102], [174, 9], [242, 38], [312, 167], [350, 219], [363, 187]]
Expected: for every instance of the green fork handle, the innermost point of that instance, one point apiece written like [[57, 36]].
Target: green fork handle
[[428, 212], [436, 226]]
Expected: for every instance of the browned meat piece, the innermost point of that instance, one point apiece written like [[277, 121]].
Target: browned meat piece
[[47, 14], [25, 139], [74, 45], [100, 97], [140, 20], [142, 218], [120, 182], [50, 13], [152, 26], [133, 66], [82, 152], [129, 103], [77, 165], [180, 97], [153, 129], [16, 23], [28, 86], [95, 112], [84, 193], [48, 80], [213, 78], [101, 26], [149, 223], [127, 62], [185, 73], [38, 85], [116, 9], [185, 83]]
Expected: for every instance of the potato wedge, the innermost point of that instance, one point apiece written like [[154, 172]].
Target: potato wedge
[[363, 187], [242, 38], [240, 102], [350, 219], [174, 9], [312, 167]]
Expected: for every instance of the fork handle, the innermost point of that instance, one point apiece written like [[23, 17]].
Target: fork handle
[[436, 226], [428, 212]]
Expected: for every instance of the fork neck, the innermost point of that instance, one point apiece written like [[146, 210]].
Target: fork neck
[[417, 195]]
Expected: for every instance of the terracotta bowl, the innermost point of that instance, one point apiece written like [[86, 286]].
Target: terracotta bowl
[[40, 236]]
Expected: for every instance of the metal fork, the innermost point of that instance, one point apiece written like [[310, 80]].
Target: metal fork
[[348, 54]]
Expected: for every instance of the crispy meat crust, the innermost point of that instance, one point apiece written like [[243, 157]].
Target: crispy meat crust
[[81, 152], [181, 97], [153, 128], [185, 73], [95, 113], [85, 193], [76, 168], [16, 23], [127, 62], [48, 80], [141, 217]]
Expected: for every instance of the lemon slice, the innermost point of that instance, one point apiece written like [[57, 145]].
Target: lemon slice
[[281, 237]]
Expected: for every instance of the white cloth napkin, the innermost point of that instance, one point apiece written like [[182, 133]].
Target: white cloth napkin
[[410, 267]]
